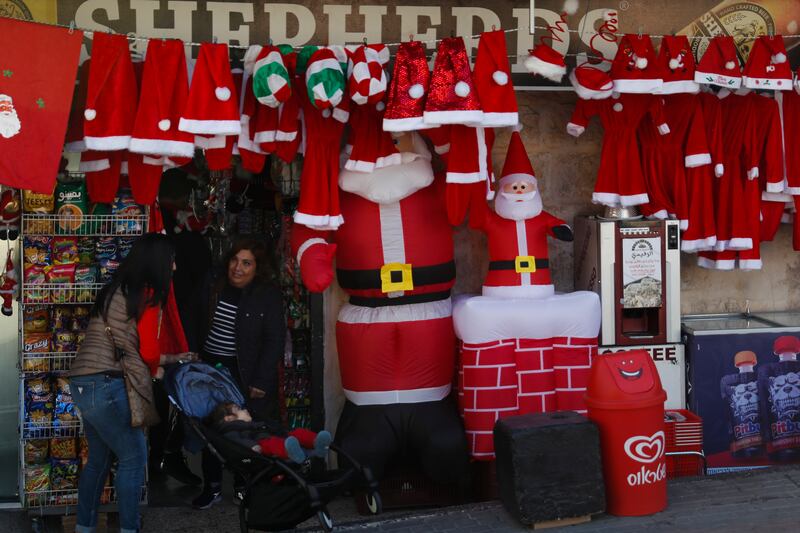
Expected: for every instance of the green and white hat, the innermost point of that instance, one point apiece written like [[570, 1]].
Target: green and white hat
[[271, 82], [325, 80]]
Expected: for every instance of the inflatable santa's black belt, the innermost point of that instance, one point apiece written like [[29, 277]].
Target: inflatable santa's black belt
[[384, 301], [420, 275], [512, 265]]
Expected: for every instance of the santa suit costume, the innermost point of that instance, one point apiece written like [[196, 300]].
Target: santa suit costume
[[619, 179], [524, 348], [395, 337]]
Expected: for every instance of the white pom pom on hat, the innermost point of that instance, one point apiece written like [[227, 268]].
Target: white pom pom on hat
[[380, 106], [462, 89], [222, 93], [730, 65], [164, 124], [570, 7], [673, 63], [780, 57], [416, 91], [90, 114], [641, 62], [500, 77]]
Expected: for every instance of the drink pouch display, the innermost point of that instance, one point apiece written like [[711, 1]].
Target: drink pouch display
[[740, 394], [71, 205], [779, 388]]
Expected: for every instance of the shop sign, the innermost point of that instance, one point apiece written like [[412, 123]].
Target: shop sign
[[657, 353]]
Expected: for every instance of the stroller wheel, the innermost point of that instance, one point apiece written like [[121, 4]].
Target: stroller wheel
[[325, 519], [374, 503]]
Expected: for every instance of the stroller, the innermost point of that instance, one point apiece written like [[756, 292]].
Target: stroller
[[278, 495]]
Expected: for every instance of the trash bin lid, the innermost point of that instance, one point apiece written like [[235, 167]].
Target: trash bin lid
[[624, 380]]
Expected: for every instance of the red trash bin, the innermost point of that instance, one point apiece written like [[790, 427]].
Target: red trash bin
[[626, 401]]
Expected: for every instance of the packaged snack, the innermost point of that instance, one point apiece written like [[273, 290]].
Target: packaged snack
[[36, 343], [86, 247], [38, 388], [86, 274], [101, 219], [34, 275], [62, 317], [38, 414], [108, 268], [124, 245], [79, 336], [63, 474], [36, 250], [80, 318], [31, 363], [64, 250], [37, 478], [126, 207], [105, 248], [35, 320], [36, 451], [64, 341], [60, 273], [66, 448], [71, 205], [41, 204]]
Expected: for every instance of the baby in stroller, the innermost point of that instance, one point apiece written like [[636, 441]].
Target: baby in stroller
[[235, 423]]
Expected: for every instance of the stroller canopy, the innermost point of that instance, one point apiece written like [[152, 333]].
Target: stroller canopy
[[198, 388]]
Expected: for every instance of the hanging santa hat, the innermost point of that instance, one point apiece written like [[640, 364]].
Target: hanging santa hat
[[517, 166], [492, 76], [767, 67], [591, 83], [719, 64], [271, 83], [253, 115], [546, 62], [110, 95], [219, 149], [367, 80], [102, 171], [74, 139], [165, 89], [635, 69], [144, 174], [409, 85], [212, 108], [677, 65], [452, 98], [370, 146], [324, 79]]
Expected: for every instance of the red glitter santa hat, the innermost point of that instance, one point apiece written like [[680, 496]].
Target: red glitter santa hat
[[635, 69], [719, 64], [767, 67], [591, 83], [110, 95], [677, 65], [452, 98], [165, 89], [517, 166], [492, 77], [366, 79], [409, 85], [212, 108]]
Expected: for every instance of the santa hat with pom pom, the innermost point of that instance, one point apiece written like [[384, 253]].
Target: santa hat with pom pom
[[677, 65], [719, 64], [212, 108], [492, 76], [767, 67], [453, 98], [409, 85], [591, 83], [635, 69], [545, 60]]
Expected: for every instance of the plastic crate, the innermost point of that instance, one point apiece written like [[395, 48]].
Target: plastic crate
[[684, 443], [687, 464]]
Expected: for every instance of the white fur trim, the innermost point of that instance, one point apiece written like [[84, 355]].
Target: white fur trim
[[341, 115], [390, 184], [697, 160], [285, 136], [206, 143], [699, 245], [90, 114], [392, 314], [783, 84], [405, 124], [661, 214], [108, 144], [210, 127], [783, 196], [719, 264], [442, 148], [633, 199], [464, 177], [684, 225], [775, 187], [719, 170], [453, 117], [740, 243], [681, 86], [712, 78], [794, 191], [638, 86], [663, 129], [319, 222], [575, 130], [431, 394], [752, 173], [499, 120], [590, 94], [606, 198], [750, 264], [265, 137], [94, 166], [369, 166], [308, 244], [161, 147], [500, 77], [552, 72]]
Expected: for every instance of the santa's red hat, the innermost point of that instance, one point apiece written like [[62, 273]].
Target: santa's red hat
[[517, 166], [252, 154], [452, 98], [545, 61], [366, 79], [492, 77], [767, 67], [786, 344], [370, 147], [591, 83], [74, 139], [677, 65], [212, 108], [165, 89], [102, 171], [144, 175], [110, 95], [470, 154], [408, 88], [719, 64], [635, 69]]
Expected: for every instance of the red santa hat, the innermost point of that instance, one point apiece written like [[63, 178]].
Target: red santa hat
[[110, 95], [677, 65], [74, 140], [212, 108], [591, 83], [409, 85], [370, 146], [546, 62], [367, 81], [517, 166], [719, 64], [165, 89], [102, 171], [635, 69], [252, 154], [144, 174], [452, 98], [492, 76], [767, 67]]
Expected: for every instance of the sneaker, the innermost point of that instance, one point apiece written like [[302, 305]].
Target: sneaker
[[174, 465], [207, 498], [294, 450], [322, 443]]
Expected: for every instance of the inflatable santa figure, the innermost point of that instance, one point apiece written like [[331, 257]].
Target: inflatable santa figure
[[525, 349], [395, 339]]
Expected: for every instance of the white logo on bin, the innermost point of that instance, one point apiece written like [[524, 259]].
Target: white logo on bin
[[646, 450]]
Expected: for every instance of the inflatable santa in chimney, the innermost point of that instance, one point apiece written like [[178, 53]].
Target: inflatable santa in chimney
[[525, 349]]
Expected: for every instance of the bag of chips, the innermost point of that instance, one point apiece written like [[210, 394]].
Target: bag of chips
[[64, 250], [80, 318], [62, 317], [36, 250], [105, 248], [37, 478], [34, 343], [35, 451], [124, 245], [64, 474], [86, 250], [86, 274], [108, 267], [39, 204], [66, 448], [71, 205], [64, 341], [60, 273], [34, 275]]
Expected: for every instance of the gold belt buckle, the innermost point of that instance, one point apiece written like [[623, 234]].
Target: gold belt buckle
[[396, 277], [525, 264]]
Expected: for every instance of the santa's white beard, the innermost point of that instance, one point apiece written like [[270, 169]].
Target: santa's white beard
[[9, 124], [507, 205]]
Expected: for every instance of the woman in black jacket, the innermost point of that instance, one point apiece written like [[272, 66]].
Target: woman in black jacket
[[245, 331]]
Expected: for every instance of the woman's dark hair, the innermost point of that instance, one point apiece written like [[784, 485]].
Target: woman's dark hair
[[143, 276], [265, 273]]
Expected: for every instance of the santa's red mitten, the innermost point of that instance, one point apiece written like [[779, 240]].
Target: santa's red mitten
[[316, 266]]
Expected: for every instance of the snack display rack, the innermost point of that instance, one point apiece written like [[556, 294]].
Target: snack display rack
[[49, 363]]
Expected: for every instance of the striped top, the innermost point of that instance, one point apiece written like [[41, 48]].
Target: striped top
[[221, 338]]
